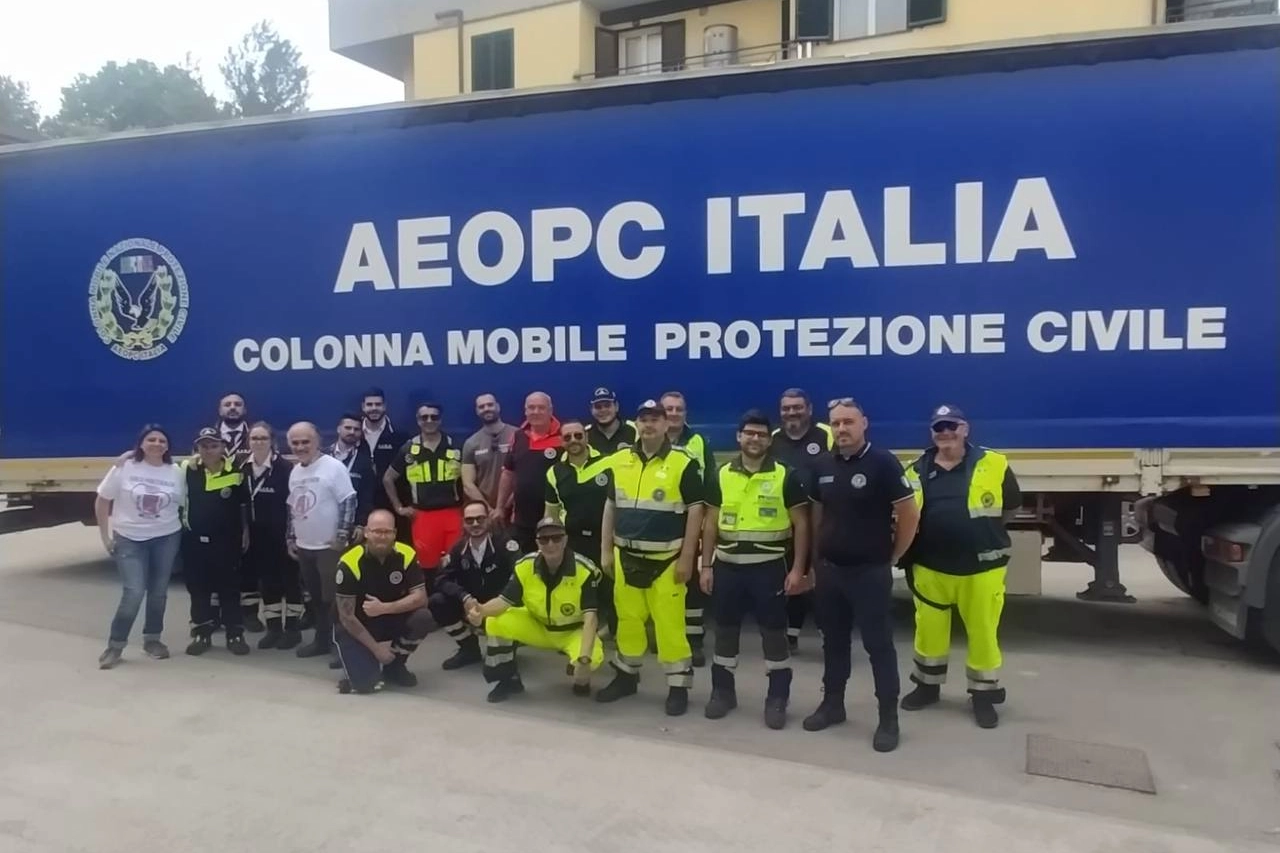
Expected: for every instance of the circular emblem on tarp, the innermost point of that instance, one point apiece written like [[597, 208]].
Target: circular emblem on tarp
[[813, 448], [396, 577], [859, 480], [138, 299], [988, 499]]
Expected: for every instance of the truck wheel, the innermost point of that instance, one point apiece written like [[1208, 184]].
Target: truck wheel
[[1262, 631], [1178, 568]]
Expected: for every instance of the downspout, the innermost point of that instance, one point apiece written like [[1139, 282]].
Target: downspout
[[456, 16]]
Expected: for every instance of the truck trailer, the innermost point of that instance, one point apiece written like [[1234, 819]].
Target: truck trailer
[[1073, 240]]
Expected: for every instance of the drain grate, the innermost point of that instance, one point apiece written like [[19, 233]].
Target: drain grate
[[1091, 763]]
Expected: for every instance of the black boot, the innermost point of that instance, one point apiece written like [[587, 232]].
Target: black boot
[[505, 689], [724, 695], [398, 674], [886, 736], [699, 656], [922, 697], [271, 640], [775, 703], [200, 643], [468, 653], [252, 623], [291, 637], [623, 684], [829, 713], [236, 644], [984, 711], [677, 701], [319, 647]]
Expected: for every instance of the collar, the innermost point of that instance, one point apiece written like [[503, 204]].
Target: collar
[[541, 442], [866, 445], [662, 453], [971, 454], [337, 451], [445, 441], [686, 435], [228, 431], [270, 463], [736, 465], [487, 547], [566, 564], [228, 465], [383, 426], [592, 453], [616, 423]]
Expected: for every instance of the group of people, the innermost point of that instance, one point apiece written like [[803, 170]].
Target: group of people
[[557, 533]]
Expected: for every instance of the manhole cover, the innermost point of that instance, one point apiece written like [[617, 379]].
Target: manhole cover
[[1091, 763]]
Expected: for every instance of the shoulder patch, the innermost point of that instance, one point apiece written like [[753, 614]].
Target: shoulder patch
[[513, 546], [338, 578]]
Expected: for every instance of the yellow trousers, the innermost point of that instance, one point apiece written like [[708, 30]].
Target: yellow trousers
[[980, 600], [513, 626], [663, 602]]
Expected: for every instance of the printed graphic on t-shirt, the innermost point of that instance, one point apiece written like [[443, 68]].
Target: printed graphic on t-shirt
[[149, 501], [301, 501]]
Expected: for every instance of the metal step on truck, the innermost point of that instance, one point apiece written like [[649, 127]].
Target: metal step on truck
[[1075, 240]]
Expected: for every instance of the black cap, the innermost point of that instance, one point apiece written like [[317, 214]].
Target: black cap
[[603, 395], [947, 412], [650, 407], [549, 524], [208, 434]]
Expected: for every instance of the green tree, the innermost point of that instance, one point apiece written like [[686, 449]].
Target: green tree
[[17, 110], [265, 75], [137, 94]]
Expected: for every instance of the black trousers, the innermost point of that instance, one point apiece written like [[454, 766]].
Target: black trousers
[[798, 607], [405, 633], [589, 547], [210, 566], [861, 595], [278, 576], [447, 611], [737, 591], [695, 604]]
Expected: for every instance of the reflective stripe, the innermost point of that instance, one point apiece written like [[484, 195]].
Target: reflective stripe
[[273, 610], [775, 665], [991, 675], [639, 545], [694, 631], [985, 512], [938, 661], [727, 663], [294, 611], [683, 678], [928, 678], [749, 559], [492, 659], [630, 666], [983, 686], [998, 554], [673, 507], [728, 536]]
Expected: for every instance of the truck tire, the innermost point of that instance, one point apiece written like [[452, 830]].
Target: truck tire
[[1262, 631], [1180, 566]]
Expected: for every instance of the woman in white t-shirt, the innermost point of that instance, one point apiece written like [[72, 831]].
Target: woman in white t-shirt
[[137, 511]]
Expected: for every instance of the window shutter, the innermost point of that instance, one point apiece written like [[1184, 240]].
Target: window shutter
[[813, 20], [922, 12], [673, 55], [606, 53]]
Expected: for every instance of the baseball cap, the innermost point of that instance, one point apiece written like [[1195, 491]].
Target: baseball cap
[[549, 524], [650, 407], [947, 412], [208, 434], [603, 395]]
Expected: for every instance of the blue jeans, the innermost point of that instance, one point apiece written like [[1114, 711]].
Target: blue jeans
[[145, 569]]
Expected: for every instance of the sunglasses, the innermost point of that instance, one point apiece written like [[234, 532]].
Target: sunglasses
[[428, 417], [573, 436], [473, 519], [551, 539], [843, 401], [945, 426]]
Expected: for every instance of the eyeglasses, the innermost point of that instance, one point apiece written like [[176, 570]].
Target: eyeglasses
[[379, 531], [550, 539], [473, 519], [428, 417], [945, 426], [573, 436], [259, 438], [750, 433]]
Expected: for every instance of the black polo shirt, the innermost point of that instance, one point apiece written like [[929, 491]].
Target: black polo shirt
[[804, 454], [945, 541], [530, 466], [217, 502], [444, 491], [582, 492], [624, 436], [857, 494], [389, 579]]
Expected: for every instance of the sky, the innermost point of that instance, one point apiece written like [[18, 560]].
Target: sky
[[46, 43]]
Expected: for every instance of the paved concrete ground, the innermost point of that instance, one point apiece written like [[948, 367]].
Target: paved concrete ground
[[150, 755]]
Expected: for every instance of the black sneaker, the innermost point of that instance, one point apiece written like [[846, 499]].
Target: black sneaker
[[581, 689], [699, 657], [720, 704], [984, 713], [623, 684], [252, 623], [313, 649], [793, 643], [156, 650], [398, 674], [829, 713], [199, 644], [677, 701], [886, 736], [922, 697], [110, 658], [237, 646], [775, 712], [468, 653], [505, 689], [289, 640], [344, 687], [271, 639]]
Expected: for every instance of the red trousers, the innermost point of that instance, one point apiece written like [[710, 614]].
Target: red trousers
[[434, 532]]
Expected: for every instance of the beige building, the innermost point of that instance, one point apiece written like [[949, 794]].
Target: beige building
[[446, 47]]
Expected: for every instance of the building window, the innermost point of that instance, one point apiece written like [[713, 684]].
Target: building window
[[1200, 10], [815, 20], [640, 51], [645, 50], [923, 12], [861, 18], [493, 61]]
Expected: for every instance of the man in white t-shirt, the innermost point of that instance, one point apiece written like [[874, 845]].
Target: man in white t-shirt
[[322, 510]]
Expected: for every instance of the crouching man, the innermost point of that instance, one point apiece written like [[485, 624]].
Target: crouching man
[[550, 603], [382, 609]]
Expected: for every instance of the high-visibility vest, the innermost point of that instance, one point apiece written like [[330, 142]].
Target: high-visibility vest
[[696, 447], [559, 608], [435, 477], [754, 524], [582, 491], [986, 469], [649, 509], [227, 477], [351, 558]]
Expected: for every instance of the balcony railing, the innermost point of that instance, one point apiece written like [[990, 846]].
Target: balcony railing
[[765, 54], [1178, 11]]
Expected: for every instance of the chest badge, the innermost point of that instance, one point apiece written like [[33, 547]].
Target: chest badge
[[602, 479], [988, 499], [567, 609], [338, 579], [408, 457], [396, 577], [225, 493], [659, 494], [550, 453], [812, 448], [859, 480]]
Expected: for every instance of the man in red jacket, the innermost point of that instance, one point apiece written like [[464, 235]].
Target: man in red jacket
[[524, 475]]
